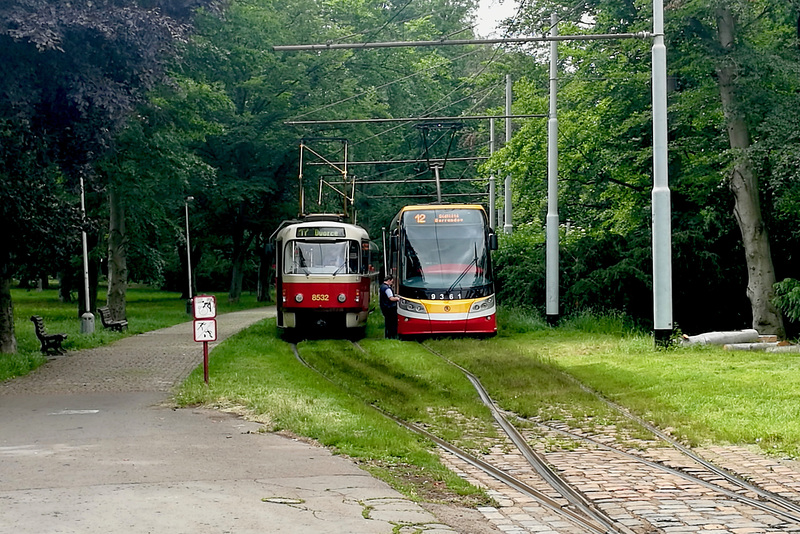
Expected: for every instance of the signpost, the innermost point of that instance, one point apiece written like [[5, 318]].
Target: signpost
[[205, 325]]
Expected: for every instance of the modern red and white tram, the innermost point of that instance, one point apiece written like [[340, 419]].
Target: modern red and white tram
[[441, 261], [323, 275]]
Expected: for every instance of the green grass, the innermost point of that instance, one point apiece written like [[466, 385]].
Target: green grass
[[256, 370], [147, 309], [704, 394]]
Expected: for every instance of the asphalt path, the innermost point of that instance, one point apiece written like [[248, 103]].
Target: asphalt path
[[89, 443]]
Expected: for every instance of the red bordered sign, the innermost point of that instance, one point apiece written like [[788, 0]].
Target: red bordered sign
[[205, 329]]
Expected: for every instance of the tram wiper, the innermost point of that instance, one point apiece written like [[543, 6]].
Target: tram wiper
[[339, 268], [473, 261]]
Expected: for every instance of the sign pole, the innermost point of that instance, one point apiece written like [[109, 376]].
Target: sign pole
[[205, 361], [205, 325]]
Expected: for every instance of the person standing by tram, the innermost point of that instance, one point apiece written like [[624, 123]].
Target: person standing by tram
[[389, 307]]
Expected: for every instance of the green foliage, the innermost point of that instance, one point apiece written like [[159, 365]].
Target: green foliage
[[519, 269], [518, 320], [787, 298]]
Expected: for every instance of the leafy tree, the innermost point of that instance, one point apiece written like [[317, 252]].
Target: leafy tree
[[70, 74], [725, 133]]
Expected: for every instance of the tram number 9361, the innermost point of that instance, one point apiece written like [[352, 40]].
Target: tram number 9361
[[444, 296], [320, 297]]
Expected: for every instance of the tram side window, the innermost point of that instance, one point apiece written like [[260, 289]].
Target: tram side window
[[354, 255], [365, 259]]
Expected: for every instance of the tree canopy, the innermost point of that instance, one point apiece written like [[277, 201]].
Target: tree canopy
[[154, 102]]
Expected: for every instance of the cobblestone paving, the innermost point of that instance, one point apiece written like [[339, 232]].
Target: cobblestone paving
[[153, 361], [643, 498]]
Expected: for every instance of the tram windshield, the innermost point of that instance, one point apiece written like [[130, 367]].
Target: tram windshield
[[322, 257], [444, 254]]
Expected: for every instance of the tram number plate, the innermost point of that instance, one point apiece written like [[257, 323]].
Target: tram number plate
[[445, 296], [320, 297]]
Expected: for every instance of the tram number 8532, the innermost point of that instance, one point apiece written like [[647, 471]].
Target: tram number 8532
[[320, 297]]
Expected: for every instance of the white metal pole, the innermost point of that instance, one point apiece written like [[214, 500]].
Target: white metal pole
[[662, 227], [551, 290], [188, 248], [385, 253], [507, 226], [87, 317], [492, 184]]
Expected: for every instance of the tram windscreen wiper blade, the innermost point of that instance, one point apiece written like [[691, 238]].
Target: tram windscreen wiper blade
[[339, 268], [473, 261]]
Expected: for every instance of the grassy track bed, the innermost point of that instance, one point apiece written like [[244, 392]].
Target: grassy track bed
[[702, 394]]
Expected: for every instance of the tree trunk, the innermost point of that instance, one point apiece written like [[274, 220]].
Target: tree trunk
[[264, 271], [744, 186], [241, 244], [8, 342], [117, 261]]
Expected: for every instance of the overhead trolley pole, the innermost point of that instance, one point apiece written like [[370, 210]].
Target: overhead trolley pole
[[660, 204]]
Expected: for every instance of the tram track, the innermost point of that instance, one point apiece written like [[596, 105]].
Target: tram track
[[572, 504], [577, 510], [765, 500]]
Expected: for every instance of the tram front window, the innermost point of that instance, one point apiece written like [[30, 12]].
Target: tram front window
[[446, 259], [324, 257]]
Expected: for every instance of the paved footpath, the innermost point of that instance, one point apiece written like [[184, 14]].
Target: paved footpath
[[89, 444]]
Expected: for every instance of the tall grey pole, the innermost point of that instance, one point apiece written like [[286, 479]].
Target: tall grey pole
[[438, 184], [507, 227], [492, 185], [662, 227], [87, 317], [188, 255], [551, 289], [385, 252]]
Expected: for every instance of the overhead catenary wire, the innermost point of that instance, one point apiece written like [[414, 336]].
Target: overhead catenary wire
[[461, 42]]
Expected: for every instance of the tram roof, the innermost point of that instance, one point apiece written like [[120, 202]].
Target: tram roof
[[289, 228], [441, 206]]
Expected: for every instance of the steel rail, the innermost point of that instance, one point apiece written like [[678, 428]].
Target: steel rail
[[575, 498], [731, 477], [765, 497], [756, 503], [590, 523]]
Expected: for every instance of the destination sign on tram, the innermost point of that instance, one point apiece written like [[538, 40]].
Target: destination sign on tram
[[320, 231], [449, 217]]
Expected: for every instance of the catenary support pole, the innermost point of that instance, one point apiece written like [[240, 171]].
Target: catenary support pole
[[188, 256], [551, 290], [662, 227], [87, 317], [507, 227], [492, 185]]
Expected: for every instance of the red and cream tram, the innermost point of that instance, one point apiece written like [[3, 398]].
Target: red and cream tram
[[323, 275], [442, 265]]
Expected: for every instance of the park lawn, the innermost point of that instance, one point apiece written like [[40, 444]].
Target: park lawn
[[147, 309]]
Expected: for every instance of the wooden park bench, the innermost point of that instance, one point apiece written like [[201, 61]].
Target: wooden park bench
[[51, 343], [109, 322]]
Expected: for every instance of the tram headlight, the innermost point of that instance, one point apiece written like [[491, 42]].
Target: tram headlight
[[411, 306], [482, 305], [298, 297], [342, 297]]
